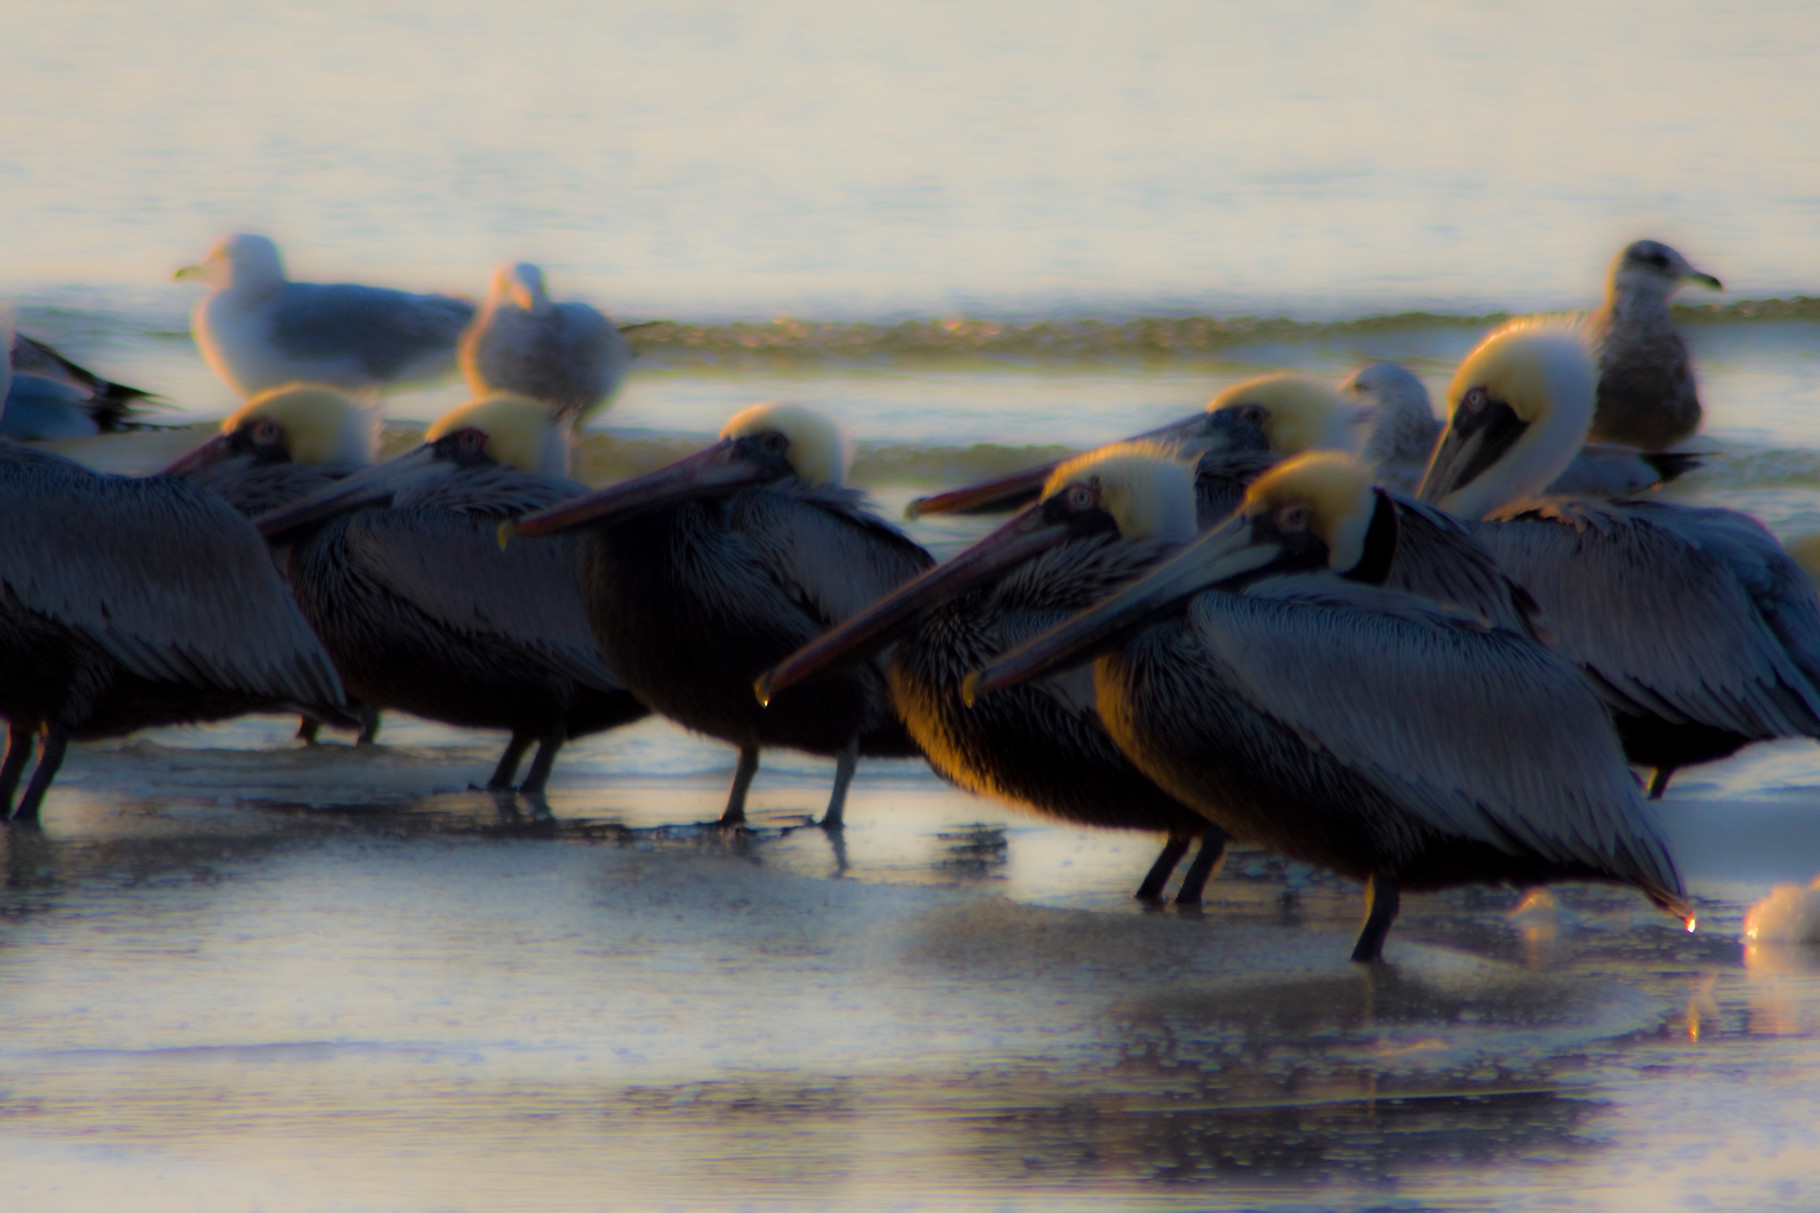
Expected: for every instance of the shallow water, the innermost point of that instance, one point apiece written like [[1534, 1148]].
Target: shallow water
[[236, 974]]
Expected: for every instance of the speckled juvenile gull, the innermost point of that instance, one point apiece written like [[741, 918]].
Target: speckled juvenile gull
[[1647, 396], [1405, 430], [567, 355], [258, 330]]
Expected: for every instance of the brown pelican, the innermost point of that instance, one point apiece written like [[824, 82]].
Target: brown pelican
[[281, 445], [422, 611], [1694, 623], [1647, 397], [284, 444], [1285, 415], [1405, 432], [704, 574], [258, 330], [1276, 413], [1040, 746], [567, 355], [129, 602], [1264, 677]]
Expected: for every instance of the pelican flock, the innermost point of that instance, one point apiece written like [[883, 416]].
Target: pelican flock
[[1414, 649]]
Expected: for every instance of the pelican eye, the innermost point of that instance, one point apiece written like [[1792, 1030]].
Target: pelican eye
[[1252, 414], [471, 442], [266, 431], [774, 441], [1474, 400], [1292, 517], [1081, 497]]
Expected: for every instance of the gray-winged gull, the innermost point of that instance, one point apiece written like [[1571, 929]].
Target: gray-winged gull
[[46, 396], [1647, 395], [1405, 430], [258, 330], [567, 355]]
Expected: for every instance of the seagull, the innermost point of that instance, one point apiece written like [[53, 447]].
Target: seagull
[[567, 355], [258, 330], [1647, 397]]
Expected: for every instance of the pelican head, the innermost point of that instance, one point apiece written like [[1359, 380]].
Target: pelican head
[[521, 285], [1134, 491], [766, 444], [1318, 512], [1289, 413], [1650, 269], [513, 431], [1283, 414], [1518, 410], [308, 423], [243, 263], [494, 431]]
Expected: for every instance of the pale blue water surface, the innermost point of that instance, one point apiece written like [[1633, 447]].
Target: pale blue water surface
[[240, 974]]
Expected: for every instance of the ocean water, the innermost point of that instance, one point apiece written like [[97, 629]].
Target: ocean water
[[236, 973]]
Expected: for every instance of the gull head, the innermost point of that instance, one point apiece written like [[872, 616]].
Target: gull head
[[244, 263], [1651, 268], [521, 285]]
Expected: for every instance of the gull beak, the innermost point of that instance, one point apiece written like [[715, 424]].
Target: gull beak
[[1223, 553], [865, 633], [189, 272]]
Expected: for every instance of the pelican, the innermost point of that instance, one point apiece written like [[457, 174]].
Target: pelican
[[422, 611], [1404, 435], [1040, 746], [567, 355], [1262, 677], [1647, 396], [1253, 424], [1697, 627], [130, 602], [258, 330], [1270, 414], [283, 444], [704, 574]]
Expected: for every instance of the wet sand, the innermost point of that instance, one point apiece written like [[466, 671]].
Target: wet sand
[[237, 977]]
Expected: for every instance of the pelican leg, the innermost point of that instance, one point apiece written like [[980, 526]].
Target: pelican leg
[[546, 758], [844, 766], [742, 780], [1382, 900], [1658, 781], [50, 757], [508, 762], [1206, 863], [1158, 877], [18, 753], [369, 727], [307, 728]]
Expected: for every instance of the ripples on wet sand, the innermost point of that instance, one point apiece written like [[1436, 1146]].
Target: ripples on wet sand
[[350, 983]]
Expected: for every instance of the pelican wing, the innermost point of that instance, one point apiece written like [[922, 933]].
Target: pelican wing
[[1438, 558], [824, 549], [1777, 587], [448, 564], [384, 330], [1480, 732], [161, 574], [1659, 616]]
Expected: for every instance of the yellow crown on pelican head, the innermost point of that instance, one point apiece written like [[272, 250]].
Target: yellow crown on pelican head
[[314, 422], [519, 431], [815, 448], [1294, 412], [1145, 486]]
